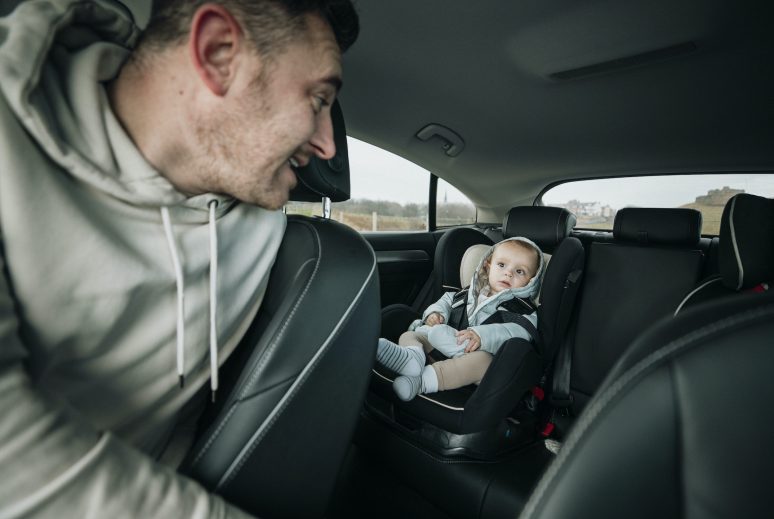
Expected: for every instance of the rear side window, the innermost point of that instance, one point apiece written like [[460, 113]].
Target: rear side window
[[595, 202]]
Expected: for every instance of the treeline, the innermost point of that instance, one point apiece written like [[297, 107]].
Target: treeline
[[409, 210]]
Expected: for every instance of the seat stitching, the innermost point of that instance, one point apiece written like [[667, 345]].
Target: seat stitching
[[734, 242], [241, 391], [601, 403], [692, 292], [275, 342], [679, 446], [293, 390]]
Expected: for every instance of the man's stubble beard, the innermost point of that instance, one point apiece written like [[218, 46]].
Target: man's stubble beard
[[232, 160]]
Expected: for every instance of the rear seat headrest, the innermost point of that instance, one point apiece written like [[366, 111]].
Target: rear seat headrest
[[546, 226], [746, 255], [658, 226]]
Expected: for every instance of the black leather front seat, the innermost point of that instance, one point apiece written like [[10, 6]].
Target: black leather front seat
[[274, 445], [680, 427]]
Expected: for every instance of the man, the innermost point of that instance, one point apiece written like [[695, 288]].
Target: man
[[140, 177]]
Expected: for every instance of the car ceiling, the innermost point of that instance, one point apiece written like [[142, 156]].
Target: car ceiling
[[653, 87]]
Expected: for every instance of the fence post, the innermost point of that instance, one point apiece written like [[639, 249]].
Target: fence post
[[373, 221]]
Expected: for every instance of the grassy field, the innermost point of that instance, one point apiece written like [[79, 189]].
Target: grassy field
[[710, 219], [710, 215], [364, 222]]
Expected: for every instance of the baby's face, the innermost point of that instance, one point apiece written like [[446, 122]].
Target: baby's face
[[512, 266]]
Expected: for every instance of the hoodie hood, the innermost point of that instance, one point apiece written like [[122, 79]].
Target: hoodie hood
[[480, 281], [54, 60]]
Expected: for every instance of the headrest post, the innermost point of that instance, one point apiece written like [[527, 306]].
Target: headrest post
[[326, 207]]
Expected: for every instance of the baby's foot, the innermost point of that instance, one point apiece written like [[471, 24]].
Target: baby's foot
[[404, 360], [407, 387]]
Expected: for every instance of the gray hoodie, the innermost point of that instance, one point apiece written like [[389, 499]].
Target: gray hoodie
[[106, 297]]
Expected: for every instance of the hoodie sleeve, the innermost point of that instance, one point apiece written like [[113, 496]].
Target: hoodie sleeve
[[54, 463], [442, 306], [494, 335]]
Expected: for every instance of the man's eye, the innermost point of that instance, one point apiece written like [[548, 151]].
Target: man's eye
[[320, 103]]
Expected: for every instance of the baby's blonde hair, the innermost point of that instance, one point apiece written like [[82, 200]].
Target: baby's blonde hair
[[483, 281]]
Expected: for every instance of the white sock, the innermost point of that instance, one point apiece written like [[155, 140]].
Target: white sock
[[429, 380], [404, 360], [409, 387]]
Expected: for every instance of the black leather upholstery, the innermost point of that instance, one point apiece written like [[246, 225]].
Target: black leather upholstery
[[285, 425], [627, 287], [746, 244], [546, 226], [746, 250], [678, 227], [294, 387], [677, 429]]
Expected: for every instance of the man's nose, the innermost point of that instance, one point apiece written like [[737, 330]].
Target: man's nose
[[322, 139]]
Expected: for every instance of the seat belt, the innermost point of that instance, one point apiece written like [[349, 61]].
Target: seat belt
[[560, 385], [566, 306], [524, 323], [560, 397]]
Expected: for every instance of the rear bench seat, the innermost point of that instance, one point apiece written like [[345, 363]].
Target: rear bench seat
[[641, 276]]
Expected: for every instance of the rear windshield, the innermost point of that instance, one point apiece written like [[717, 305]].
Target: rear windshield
[[595, 202]]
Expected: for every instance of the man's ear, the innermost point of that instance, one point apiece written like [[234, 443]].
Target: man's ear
[[214, 44]]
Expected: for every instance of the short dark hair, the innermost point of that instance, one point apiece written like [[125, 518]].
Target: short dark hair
[[268, 24]]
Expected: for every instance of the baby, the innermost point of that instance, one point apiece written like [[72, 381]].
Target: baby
[[509, 274]]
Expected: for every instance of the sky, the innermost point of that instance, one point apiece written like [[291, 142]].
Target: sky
[[659, 191], [377, 174]]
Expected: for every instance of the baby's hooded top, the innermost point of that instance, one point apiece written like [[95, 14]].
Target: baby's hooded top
[[493, 335]]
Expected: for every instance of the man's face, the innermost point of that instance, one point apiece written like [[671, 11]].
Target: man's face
[[278, 118], [512, 266]]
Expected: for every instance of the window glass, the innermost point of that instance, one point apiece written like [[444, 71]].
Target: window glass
[[452, 207], [387, 192], [595, 202]]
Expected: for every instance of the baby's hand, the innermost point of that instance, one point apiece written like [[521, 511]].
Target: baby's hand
[[433, 319], [474, 341]]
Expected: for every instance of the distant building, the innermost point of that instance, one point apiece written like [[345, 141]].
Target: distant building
[[589, 209], [718, 196]]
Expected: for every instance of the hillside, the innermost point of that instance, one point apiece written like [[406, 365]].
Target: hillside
[[710, 217]]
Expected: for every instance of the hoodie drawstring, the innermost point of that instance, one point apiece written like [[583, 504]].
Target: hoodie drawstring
[[213, 205], [180, 282], [180, 295]]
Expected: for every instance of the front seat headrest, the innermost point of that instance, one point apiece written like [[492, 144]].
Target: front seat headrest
[[326, 178], [746, 255]]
